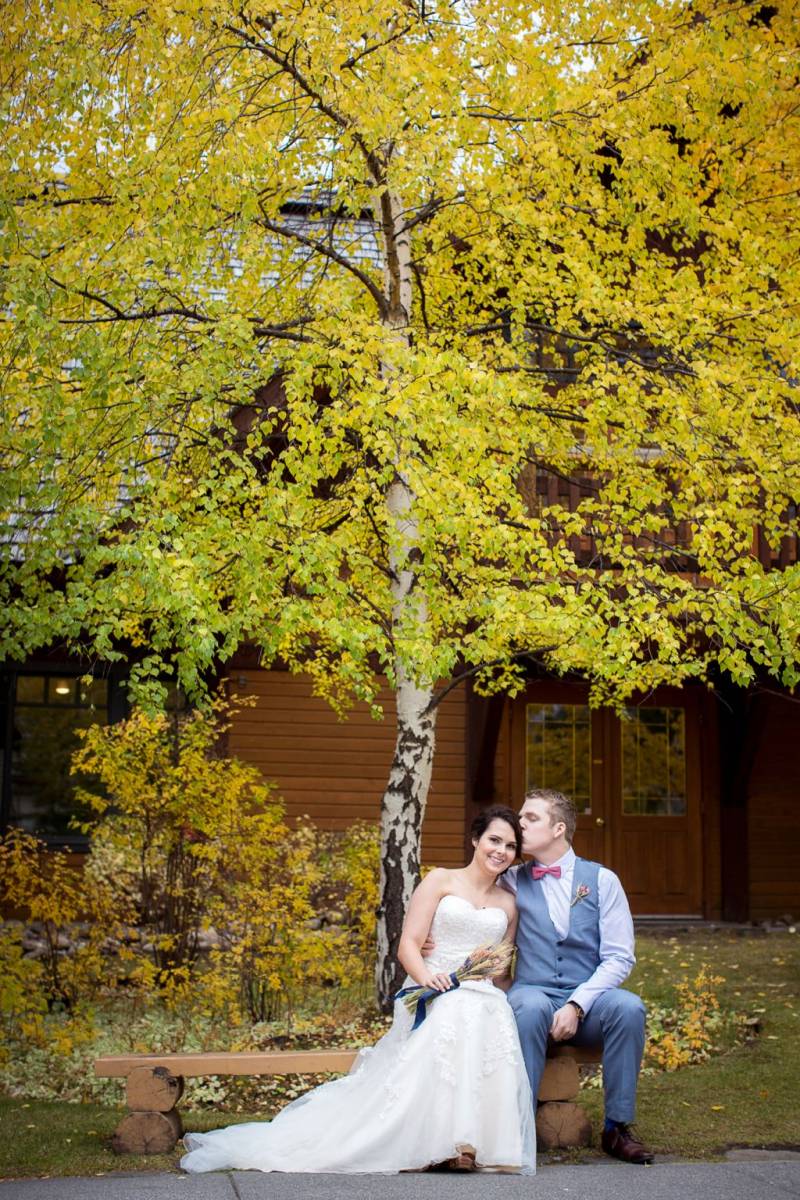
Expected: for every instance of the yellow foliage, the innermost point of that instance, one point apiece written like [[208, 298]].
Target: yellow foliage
[[22, 997], [44, 888], [685, 1033], [189, 839]]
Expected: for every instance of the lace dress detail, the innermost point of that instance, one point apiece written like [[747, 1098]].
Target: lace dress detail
[[414, 1098]]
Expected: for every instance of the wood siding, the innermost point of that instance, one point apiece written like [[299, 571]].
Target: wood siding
[[334, 771], [774, 812]]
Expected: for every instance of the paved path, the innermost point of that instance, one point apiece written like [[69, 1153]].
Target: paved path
[[755, 1180]]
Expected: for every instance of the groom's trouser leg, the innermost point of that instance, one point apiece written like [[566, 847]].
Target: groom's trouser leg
[[616, 1021], [533, 1010]]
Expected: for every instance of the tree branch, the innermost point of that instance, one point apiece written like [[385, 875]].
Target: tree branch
[[328, 252], [118, 314]]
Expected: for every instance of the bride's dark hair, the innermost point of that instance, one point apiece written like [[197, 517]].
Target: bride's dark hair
[[497, 812]]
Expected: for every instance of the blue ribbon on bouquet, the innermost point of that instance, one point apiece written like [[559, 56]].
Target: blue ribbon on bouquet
[[421, 1011]]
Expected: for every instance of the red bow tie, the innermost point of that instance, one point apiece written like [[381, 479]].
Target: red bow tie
[[538, 872]]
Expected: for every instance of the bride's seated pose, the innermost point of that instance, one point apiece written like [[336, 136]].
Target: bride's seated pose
[[453, 1090]]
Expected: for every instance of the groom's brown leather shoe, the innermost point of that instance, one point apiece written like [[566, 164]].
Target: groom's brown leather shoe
[[622, 1142]]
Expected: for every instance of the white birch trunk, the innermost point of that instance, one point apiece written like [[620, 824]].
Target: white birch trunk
[[403, 806]]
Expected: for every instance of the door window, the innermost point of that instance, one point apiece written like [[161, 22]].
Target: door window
[[654, 761], [558, 750]]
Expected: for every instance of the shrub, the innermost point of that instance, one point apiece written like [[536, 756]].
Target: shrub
[[187, 847], [356, 867], [165, 802], [190, 839], [50, 893], [685, 1032]]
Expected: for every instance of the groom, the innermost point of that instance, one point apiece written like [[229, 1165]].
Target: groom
[[574, 949]]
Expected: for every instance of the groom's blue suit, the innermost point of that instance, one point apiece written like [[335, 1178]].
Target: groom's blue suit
[[554, 967]]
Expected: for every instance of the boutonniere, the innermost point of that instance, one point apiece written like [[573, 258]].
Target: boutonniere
[[581, 892]]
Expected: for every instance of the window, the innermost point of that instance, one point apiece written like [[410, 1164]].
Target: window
[[559, 750], [43, 713], [654, 761]]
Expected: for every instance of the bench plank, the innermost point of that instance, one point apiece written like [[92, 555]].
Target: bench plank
[[582, 1054], [275, 1062]]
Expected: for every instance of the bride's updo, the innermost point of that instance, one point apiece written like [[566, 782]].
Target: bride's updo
[[497, 812]]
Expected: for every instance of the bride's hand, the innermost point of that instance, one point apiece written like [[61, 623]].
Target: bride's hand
[[439, 981]]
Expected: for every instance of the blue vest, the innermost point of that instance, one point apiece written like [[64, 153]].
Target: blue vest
[[543, 957]]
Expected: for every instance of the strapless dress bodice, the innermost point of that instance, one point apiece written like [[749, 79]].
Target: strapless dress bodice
[[459, 927]]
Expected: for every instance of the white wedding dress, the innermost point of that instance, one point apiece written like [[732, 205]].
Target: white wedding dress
[[414, 1098]]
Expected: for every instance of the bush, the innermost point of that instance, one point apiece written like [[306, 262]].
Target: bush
[[188, 849], [51, 894], [190, 841], [686, 1031]]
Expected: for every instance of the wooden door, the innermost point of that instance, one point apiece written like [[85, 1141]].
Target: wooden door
[[634, 779], [654, 785]]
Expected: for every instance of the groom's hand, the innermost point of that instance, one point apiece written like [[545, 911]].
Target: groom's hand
[[565, 1023], [427, 947]]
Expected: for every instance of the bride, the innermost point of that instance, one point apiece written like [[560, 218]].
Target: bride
[[452, 1091]]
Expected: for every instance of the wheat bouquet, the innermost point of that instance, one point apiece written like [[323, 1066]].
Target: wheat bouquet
[[484, 962]]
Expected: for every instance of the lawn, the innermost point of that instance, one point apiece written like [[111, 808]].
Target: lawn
[[742, 1096]]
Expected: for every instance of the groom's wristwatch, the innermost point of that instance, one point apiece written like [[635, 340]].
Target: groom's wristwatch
[[578, 1009]]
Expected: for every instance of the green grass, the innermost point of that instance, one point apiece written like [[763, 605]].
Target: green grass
[[44, 1138], [743, 1096]]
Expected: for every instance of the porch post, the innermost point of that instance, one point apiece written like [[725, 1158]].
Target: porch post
[[740, 717]]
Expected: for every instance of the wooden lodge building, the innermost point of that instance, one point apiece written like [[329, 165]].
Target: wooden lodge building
[[693, 796]]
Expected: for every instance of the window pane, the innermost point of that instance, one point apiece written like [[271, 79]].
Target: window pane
[[43, 739], [93, 694], [559, 750], [30, 689], [654, 761]]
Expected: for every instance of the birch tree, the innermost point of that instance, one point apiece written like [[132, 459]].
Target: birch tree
[[301, 299]]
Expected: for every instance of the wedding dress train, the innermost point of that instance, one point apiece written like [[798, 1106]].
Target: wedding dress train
[[413, 1099]]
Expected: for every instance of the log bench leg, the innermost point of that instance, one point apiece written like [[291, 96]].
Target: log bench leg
[[152, 1124], [560, 1123]]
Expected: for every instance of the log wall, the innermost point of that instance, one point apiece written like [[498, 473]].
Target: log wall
[[334, 771]]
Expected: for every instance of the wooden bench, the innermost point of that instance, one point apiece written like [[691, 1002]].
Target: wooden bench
[[154, 1085], [560, 1122]]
